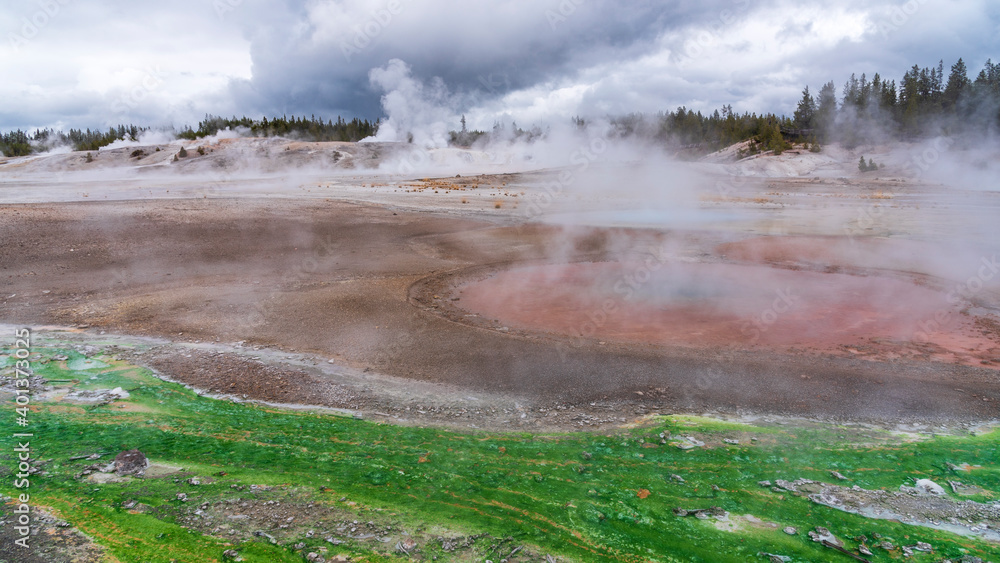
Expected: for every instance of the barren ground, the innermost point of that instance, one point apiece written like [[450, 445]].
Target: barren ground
[[370, 275]]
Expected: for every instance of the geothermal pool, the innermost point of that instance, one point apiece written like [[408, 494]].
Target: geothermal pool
[[716, 304]]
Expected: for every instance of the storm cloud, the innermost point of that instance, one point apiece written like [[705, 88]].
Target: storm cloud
[[75, 64]]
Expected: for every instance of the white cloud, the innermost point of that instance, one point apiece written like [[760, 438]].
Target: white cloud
[[511, 58]]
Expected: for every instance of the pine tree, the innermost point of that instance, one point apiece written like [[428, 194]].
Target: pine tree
[[826, 112], [958, 82], [806, 110]]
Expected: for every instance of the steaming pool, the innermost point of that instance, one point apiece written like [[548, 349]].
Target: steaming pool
[[711, 304]]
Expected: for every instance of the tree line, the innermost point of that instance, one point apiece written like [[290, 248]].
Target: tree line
[[22, 143], [923, 103], [311, 129]]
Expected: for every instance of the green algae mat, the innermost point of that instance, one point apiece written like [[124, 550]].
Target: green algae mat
[[231, 481]]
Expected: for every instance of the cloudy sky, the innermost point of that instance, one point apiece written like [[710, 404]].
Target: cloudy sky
[[76, 63]]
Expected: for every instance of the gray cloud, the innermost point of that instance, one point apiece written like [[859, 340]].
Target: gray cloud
[[91, 63]]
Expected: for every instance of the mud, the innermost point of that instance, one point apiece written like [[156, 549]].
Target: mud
[[369, 287]]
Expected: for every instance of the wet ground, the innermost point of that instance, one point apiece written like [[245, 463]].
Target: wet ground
[[377, 287]]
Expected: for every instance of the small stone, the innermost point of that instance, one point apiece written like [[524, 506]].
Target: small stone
[[790, 530], [822, 534]]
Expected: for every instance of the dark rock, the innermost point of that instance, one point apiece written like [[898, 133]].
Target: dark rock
[[131, 462]]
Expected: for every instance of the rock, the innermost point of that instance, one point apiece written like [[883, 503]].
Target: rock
[[406, 546], [922, 546], [764, 483], [231, 554], [677, 478], [790, 530], [863, 550], [119, 393], [182, 497], [887, 546], [775, 558], [786, 485], [131, 462], [821, 535], [730, 441], [194, 481], [314, 557], [928, 487], [586, 455], [266, 536], [838, 475]]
